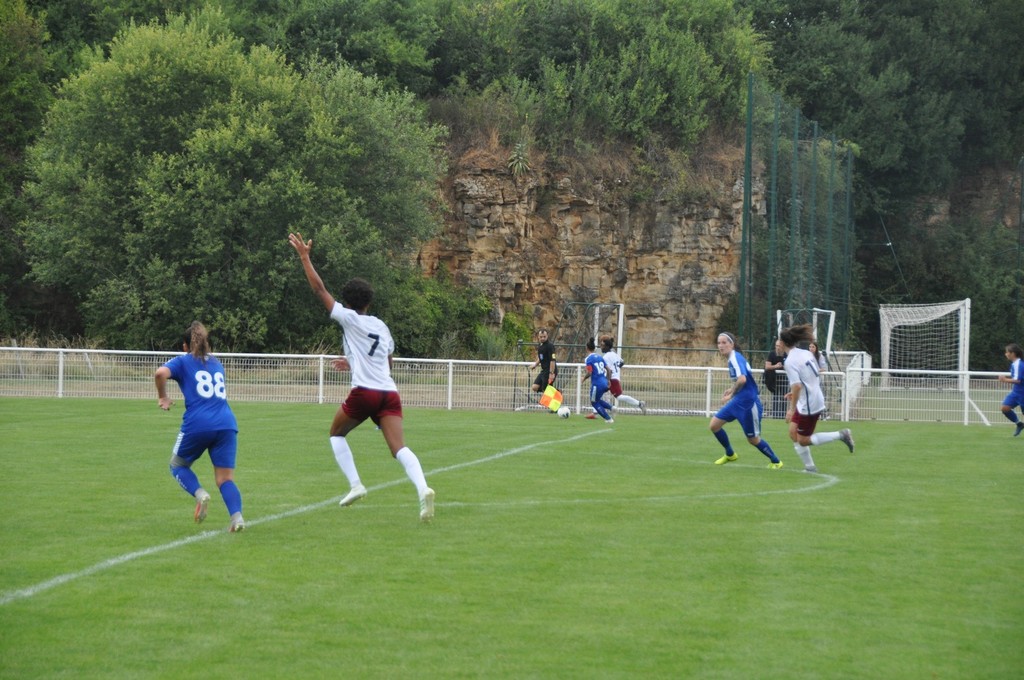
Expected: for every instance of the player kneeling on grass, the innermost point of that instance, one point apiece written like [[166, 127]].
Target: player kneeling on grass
[[1015, 355], [208, 423], [806, 400], [368, 346], [741, 403]]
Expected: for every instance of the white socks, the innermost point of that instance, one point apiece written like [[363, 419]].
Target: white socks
[[343, 454], [819, 438], [408, 459], [805, 455], [627, 399], [413, 470]]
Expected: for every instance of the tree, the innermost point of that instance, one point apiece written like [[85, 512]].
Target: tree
[[24, 98], [387, 39], [171, 171]]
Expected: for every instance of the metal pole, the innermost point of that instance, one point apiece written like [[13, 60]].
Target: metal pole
[[745, 255]]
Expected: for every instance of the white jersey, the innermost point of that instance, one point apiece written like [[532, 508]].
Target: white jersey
[[367, 344], [614, 362], [802, 369]]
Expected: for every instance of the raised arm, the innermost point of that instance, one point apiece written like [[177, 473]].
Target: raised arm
[[315, 282]]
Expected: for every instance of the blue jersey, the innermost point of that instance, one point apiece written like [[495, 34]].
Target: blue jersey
[[738, 366], [596, 368], [206, 399], [1017, 373]]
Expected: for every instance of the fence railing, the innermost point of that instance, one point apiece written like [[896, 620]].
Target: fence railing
[[854, 391]]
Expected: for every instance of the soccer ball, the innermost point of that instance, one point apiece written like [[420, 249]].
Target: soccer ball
[[564, 412]]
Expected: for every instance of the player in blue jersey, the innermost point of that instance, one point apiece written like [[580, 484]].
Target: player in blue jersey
[[741, 403], [806, 400], [1015, 355], [207, 424], [598, 373], [368, 347]]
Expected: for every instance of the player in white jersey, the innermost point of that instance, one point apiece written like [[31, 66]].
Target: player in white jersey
[[806, 400], [613, 360], [368, 348]]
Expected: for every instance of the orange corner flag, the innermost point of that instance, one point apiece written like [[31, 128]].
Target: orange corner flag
[[552, 398]]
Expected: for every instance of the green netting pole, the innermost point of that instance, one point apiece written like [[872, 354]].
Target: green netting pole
[[773, 221], [829, 249], [745, 238], [848, 245], [794, 208], [812, 217], [1020, 244]]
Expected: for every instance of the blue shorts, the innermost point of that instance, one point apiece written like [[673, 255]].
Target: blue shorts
[[1014, 400], [747, 415], [596, 392], [222, 444]]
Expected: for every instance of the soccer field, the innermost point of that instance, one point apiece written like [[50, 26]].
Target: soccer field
[[560, 549]]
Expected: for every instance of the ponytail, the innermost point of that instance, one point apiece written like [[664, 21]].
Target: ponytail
[[795, 334], [198, 340]]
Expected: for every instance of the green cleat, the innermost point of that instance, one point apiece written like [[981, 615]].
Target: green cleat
[[775, 466], [727, 459]]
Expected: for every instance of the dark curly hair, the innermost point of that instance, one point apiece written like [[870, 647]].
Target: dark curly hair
[[357, 294]]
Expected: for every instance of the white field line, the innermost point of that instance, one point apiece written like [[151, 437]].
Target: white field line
[[31, 591]]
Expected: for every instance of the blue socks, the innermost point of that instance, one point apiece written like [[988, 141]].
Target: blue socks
[[723, 439], [767, 450], [232, 497], [187, 479], [599, 406], [190, 483]]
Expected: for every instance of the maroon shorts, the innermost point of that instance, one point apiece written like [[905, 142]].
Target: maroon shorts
[[362, 403], [805, 424], [615, 387]]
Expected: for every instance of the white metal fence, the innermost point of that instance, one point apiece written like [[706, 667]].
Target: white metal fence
[[855, 391]]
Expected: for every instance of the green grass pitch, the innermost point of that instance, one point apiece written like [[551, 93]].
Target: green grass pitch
[[560, 549]]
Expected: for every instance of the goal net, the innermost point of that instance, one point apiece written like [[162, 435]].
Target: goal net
[[934, 337]]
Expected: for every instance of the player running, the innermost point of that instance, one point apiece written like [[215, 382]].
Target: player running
[[614, 362], [208, 423], [597, 373], [741, 403], [368, 347], [806, 400], [1015, 355]]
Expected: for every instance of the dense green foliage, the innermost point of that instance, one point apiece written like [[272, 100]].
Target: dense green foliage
[[151, 151], [929, 92], [172, 170], [24, 98], [582, 70]]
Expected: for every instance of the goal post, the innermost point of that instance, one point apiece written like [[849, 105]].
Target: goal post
[[925, 337], [822, 321]]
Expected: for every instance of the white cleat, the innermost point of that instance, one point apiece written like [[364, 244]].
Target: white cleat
[[427, 506], [358, 491], [643, 408], [237, 525], [202, 503]]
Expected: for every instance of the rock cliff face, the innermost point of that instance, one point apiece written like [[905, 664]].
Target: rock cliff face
[[534, 242]]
